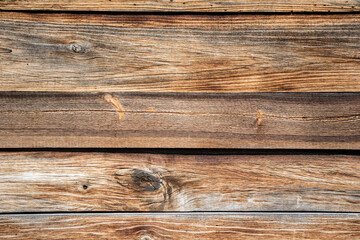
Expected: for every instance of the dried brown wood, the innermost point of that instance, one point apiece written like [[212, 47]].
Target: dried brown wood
[[78, 181], [179, 53], [185, 5], [159, 120], [181, 226]]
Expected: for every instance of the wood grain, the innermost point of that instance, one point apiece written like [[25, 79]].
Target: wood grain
[[180, 226], [185, 5], [179, 53], [149, 120], [60, 181]]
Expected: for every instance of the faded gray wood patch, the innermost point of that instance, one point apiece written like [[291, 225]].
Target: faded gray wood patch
[[76, 181], [181, 226]]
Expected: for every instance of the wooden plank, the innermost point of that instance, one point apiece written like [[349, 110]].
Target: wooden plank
[[180, 226], [159, 120], [60, 181], [179, 53], [185, 5]]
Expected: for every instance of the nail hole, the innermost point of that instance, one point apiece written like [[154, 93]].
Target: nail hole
[[85, 187]]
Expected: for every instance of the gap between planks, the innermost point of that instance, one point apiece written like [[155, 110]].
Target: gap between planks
[[185, 213]]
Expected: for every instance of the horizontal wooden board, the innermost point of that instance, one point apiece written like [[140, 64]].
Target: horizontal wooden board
[[185, 5], [179, 53], [60, 181], [180, 226], [159, 120]]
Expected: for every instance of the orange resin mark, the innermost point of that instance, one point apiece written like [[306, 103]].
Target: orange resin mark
[[114, 101]]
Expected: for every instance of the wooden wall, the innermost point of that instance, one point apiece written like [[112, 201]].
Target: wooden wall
[[147, 120]]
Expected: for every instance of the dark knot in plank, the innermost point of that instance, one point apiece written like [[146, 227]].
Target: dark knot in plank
[[146, 181], [141, 180], [152, 186]]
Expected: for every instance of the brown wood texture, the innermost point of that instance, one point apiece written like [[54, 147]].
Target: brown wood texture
[[59, 181], [160, 120], [185, 5], [179, 53], [181, 226]]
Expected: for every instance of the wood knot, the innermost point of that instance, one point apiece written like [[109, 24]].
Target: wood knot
[[77, 48], [145, 181], [139, 180], [149, 185]]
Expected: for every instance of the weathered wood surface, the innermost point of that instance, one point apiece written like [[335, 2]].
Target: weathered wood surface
[[59, 181], [160, 120], [185, 5], [179, 53], [181, 226]]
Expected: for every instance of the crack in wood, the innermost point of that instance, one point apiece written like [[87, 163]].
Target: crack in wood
[[5, 50], [259, 115]]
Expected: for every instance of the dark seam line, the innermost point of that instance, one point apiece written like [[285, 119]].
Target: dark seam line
[[178, 212], [176, 13], [141, 93], [194, 151]]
